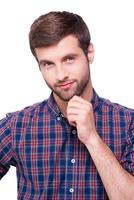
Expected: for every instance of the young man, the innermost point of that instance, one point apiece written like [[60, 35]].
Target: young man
[[75, 145]]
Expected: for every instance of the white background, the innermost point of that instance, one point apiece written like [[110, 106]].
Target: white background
[[112, 28]]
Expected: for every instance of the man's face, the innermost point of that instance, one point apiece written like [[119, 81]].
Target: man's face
[[65, 67]]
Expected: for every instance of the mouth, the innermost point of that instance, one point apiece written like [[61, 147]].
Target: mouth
[[66, 85]]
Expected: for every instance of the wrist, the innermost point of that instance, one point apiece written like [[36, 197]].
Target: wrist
[[93, 141]]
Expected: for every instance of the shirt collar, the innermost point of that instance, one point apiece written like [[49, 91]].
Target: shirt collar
[[95, 101]]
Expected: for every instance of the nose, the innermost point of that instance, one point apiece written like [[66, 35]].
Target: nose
[[61, 73]]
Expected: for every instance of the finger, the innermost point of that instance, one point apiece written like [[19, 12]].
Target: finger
[[72, 123], [79, 106], [73, 111], [78, 99], [72, 120]]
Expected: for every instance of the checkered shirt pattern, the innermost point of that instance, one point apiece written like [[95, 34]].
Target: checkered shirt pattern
[[51, 162]]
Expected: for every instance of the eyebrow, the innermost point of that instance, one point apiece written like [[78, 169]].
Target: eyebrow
[[73, 55]]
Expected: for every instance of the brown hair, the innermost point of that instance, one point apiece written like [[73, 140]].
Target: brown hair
[[50, 28]]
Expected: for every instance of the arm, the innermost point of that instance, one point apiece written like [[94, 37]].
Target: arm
[[5, 146], [119, 184]]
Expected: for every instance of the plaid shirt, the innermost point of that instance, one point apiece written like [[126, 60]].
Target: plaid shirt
[[50, 160]]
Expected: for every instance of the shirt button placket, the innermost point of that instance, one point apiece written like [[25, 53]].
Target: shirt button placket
[[71, 189]]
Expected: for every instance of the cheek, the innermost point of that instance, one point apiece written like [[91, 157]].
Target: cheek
[[82, 71], [48, 77], [82, 66]]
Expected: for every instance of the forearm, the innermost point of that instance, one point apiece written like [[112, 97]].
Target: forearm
[[118, 183]]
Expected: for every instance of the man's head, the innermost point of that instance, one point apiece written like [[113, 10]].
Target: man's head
[[60, 41], [50, 28]]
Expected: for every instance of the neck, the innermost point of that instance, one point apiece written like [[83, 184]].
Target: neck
[[87, 95]]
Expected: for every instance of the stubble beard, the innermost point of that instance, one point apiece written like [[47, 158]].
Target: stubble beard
[[66, 95]]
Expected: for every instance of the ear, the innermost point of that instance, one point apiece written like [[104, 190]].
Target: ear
[[90, 53]]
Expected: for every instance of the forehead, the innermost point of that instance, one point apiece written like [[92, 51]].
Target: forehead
[[65, 46]]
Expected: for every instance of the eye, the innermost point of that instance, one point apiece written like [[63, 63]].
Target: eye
[[46, 65], [69, 60]]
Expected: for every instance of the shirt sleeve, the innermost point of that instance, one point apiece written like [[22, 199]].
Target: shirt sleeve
[[128, 157], [6, 153]]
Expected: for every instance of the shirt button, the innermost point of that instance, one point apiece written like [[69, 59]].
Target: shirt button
[[58, 118], [74, 131], [71, 190], [73, 161]]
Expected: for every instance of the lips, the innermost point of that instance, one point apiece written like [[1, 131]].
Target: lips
[[66, 85]]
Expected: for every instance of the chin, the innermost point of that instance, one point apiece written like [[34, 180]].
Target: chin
[[67, 97]]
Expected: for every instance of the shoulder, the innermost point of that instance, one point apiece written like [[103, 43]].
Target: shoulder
[[23, 115], [116, 110], [116, 106]]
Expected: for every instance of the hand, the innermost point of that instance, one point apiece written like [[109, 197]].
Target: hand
[[80, 114]]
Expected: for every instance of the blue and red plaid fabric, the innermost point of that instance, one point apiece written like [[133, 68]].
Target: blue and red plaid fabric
[[51, 163]]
